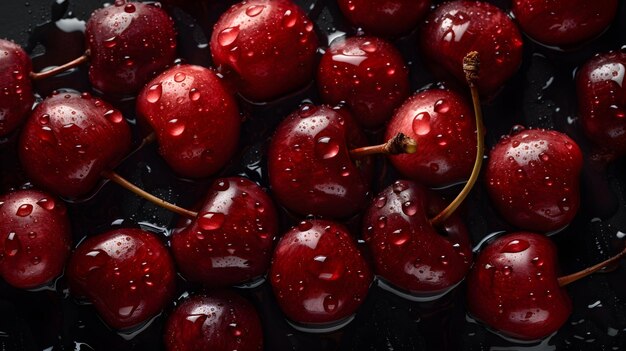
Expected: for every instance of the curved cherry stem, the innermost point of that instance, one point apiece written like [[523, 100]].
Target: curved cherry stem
[[116, 178], [399, 144], [565, 280], [59, 69], [471, 67]]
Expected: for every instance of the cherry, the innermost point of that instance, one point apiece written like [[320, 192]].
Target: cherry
[[385, 17], [532, 178], [409, 253], [453, 29], [602, 100], [129, 43], [37, 238], [17, 98], [217, 321], [368, 74], [127, 274], [309, 164], [443, 126], [195, 118], [230, 242], [66, 143], [318, 274], [266, 47], [564, 24]]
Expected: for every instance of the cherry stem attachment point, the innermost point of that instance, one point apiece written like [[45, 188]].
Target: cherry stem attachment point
[[116, 178], [565, 280], [59, 69], [471, 67], [399, 144]]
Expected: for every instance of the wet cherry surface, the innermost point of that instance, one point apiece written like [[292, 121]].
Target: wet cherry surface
[[541, 94]]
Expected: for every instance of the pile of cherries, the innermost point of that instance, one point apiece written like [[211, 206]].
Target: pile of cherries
[[312, 175]]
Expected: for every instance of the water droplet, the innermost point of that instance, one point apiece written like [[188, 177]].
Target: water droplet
[[381, 201], [326, 148], [110, 42], [382, 222], [330, 303], [368, 46], [441, 106], [228, 36], [12, 244], [254, 10], [44, 119], [234, 330], [46, 134], [46, 203], [24, 210], [175, 127], [515, 246], [211, 220], [544, 157], [289, 19], [399, 187], [304, 226], [129, 8], [421, 123], [179, 77], [399, 237], [507, 270], [409, 208], [32, 235], [154, 93], [537, 261], [194, 94], [114, 116]]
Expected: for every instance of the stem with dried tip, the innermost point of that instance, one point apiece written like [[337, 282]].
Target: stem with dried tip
[[563, 281], [399, 144], [59, 69], [471, 67], [116, 178]]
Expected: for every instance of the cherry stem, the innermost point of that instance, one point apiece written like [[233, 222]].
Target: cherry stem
[[471, 67], [116, 178], [399, 144], [565, 280], [59, 69]]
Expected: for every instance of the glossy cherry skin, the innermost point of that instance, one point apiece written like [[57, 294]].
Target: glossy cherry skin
[[231, 240], [384, 17], [443, 125], [127, 274], [602, 100], [561, 23], [533, 179], [195, 118], [216, 321], [368, 74], [66, 143], [513, 287], [266, 47], [16, 95], [454, 29], [309, 165], [129, 44], [318, 274], [36, 238], [408, 252]]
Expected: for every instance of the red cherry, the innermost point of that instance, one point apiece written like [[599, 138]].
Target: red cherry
[[129, 43], [66, 143], [309, 165], [195, 118], [36, 238], [385, 17], [368, 74], [564, 23], [456, 28], [318, 274], [217, 321], [532, 178], [408, 252], [127, 274], [231, 240], [16, 97], [513, 287], [602, 100], [444, 128], [267, 47]]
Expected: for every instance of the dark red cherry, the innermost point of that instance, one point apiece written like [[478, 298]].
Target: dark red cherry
[[309, 165], [129, 43], [533, 179], [444, 128], [318, 274], [67, 143], [513, 287], [35, 238], [16, 96], [368, 74], [267, 47], [231, 240], [216, 321], [127, 274], [563, 23], [455, 28], [384, 17], [602, 100], [196, 120], [408, 252]]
